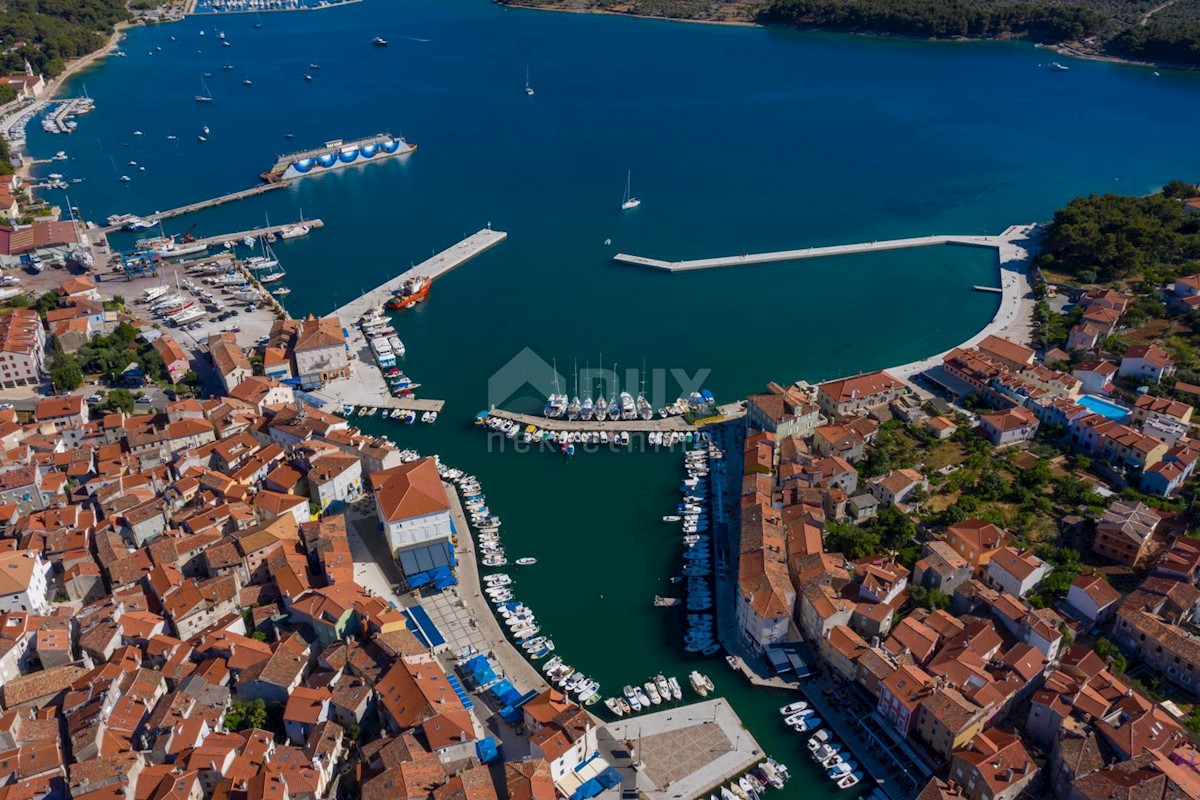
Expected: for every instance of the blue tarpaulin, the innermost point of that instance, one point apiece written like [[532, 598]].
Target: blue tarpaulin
[[421, 625], [506, 693], [590, 788], [480, 671], [486, 750]]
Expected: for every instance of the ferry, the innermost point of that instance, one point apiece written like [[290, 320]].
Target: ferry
[[336, 154], [414, 291]]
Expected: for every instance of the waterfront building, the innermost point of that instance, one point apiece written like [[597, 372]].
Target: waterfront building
[[858, 394], [415, 514], [947, 720], [783, 412], [1147, 362], [840, 649], [1014, 356], [765, 597], [317, 348], [22, 349], [564, 735], [901, 694], [15, 241]]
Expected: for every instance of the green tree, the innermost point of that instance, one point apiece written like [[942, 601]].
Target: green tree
[[19, 301], [47, 302], [1110, 653], [119, 400], [850, 541], [243, 715]]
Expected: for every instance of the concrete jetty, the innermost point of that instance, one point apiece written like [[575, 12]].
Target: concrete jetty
[[681, 753], [431, 268], [747, 259], [158, 216]]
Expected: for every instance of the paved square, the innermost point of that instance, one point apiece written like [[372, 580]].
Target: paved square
[[673, 755]]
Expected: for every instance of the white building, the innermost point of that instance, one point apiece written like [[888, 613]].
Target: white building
[[335, 480], [763, 613], [1016, 572], [24, 582], [22, 349], [1093, 597], [412, 507]]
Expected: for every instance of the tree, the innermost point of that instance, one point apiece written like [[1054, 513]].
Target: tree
[[119, 400], [47, 302], [65, 372], [850, 541], [1110, 653], [19, 301], [243, 715], [892, 527]]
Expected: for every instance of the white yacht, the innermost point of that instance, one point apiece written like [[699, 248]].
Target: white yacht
[[629, 202]]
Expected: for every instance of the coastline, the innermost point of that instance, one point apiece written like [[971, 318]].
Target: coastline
[[1060, 48]]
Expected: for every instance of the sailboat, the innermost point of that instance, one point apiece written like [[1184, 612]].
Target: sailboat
[[629, 201], [246, 80], [207, 96], [574, 408], [586, 410], [266, 262], [528, 88], [644, 409], [556, 404]]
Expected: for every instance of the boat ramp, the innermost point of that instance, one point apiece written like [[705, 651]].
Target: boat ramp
[[158, 216], [431, 268]]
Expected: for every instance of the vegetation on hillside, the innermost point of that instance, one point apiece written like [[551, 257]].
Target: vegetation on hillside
[[1115, 237], [50, 32], [942, 18]]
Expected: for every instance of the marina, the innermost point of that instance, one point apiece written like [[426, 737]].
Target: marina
[[254, 233], [727, 412]]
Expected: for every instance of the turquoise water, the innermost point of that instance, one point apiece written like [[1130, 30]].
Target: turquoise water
[[738, 139], [1105, 408]]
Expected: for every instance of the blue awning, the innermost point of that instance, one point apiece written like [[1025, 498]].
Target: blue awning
[[480, 671], [420, 624], [506, 693], [486, 749], [460, 691], [590, 788]]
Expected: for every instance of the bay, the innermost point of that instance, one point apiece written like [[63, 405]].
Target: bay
[[739, 139]]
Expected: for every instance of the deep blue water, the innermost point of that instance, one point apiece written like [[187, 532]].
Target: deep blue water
[[739, 139]]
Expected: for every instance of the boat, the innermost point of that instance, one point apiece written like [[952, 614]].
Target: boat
[[846, 781], [793, 708], [379, 41], [652, 691], [629, 202], [412, 292], [526, 561], [817, 739], [528, 88], [336, 154], [792, 719], [708, 684], [207, 96], [839, 770], [1057, 67], [292, 231], [664, 688], [676, 692], [699, 683], [614, 706], [671, 518], [282, 291], [631, 697]]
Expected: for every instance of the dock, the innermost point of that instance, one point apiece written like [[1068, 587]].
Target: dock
[[431, 268], [747, 259], [158, 216], [216, 241], [680, 753], [730, 411], [994, 289]]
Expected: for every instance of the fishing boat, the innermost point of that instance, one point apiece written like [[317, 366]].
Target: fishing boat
[[629, 202], [206, 97], [412, 292]]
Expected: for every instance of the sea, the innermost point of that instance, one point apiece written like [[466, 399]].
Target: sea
[[737, 139]]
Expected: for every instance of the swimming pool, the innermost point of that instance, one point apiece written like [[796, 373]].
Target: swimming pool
[[1105, 408]]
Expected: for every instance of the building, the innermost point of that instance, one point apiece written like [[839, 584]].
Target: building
[[1148, 407], [941, 568], [1092, 598], [1096, 376], [897, 487], [22, 349], [415, 515], [24, 581], [900, 696], [174, 359], [994, 766], [1010, 426], [858, 394], [1012, 355], [62, 412], [318, 349], [1125, 532], [1016, 572], [230, 362], [976, 541], [783, 412], [1147, 362], [27, 86]]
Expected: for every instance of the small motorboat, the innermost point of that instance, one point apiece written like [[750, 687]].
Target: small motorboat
[[846, 781], [526, 561]]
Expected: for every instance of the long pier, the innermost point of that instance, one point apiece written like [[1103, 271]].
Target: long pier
[[158, 216], [730, 411], [210, 241], [431, 268], [746, 259]]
